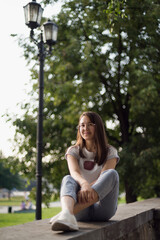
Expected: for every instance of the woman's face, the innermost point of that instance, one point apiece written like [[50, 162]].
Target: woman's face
[[86, 128]]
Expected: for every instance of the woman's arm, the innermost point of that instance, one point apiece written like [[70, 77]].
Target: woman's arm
[[74, 169], [86, 193], [110, 164]]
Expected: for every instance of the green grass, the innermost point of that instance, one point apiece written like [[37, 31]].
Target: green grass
[[121, 200], [11, 219], [13, 201]]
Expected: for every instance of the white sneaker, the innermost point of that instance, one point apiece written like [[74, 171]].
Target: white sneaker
[[54, 218], [65, 222]]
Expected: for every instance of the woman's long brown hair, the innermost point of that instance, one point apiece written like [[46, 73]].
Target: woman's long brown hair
[[100, 138]]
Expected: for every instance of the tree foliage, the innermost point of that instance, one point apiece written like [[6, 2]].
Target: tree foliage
[[106, 60], [9, 178]]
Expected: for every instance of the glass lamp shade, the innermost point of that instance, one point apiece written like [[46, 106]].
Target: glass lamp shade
[[50, 32], [33, 14]]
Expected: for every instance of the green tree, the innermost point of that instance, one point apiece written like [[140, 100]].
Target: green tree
[[106, 60], [9, 179]]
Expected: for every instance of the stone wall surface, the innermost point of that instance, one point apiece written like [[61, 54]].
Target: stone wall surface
[[157, 223], [135, 221]]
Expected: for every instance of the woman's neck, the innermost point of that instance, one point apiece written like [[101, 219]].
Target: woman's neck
[[90, 146]]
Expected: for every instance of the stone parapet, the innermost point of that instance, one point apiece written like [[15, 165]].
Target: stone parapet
[[139, 220]]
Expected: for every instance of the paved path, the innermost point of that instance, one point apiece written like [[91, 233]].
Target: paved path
[[4, 209]]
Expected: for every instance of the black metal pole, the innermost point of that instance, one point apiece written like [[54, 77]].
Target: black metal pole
[[40, 131]]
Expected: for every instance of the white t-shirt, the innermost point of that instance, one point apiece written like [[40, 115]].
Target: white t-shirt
[[88, 169]]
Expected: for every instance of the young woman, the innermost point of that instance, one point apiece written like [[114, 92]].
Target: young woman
[[91, 190]]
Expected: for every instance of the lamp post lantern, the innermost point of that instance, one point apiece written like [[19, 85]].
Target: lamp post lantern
[[33, 14]]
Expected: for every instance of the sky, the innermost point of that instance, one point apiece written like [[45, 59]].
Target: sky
[[14, 73]]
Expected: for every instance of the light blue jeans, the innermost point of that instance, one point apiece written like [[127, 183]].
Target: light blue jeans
[[107, 188]]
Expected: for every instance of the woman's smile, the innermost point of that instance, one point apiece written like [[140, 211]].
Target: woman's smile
[[87, 128], [86, 133]]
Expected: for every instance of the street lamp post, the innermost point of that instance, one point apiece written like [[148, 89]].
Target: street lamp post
[[33, 14]]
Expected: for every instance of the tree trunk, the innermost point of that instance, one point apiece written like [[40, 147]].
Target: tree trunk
[[122, 109], [130, 196], [157, 191]]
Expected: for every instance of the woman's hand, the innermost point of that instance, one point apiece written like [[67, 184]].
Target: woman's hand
[[86, 194]]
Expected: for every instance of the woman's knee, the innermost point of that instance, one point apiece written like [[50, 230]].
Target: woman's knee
[[68, 181], [68, 187], [112, 174], [66, 178]]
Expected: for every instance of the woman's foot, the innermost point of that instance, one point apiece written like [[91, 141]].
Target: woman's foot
[[65, 222], [54, 218]]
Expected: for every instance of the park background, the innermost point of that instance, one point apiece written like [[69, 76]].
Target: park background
[[106, 60]]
